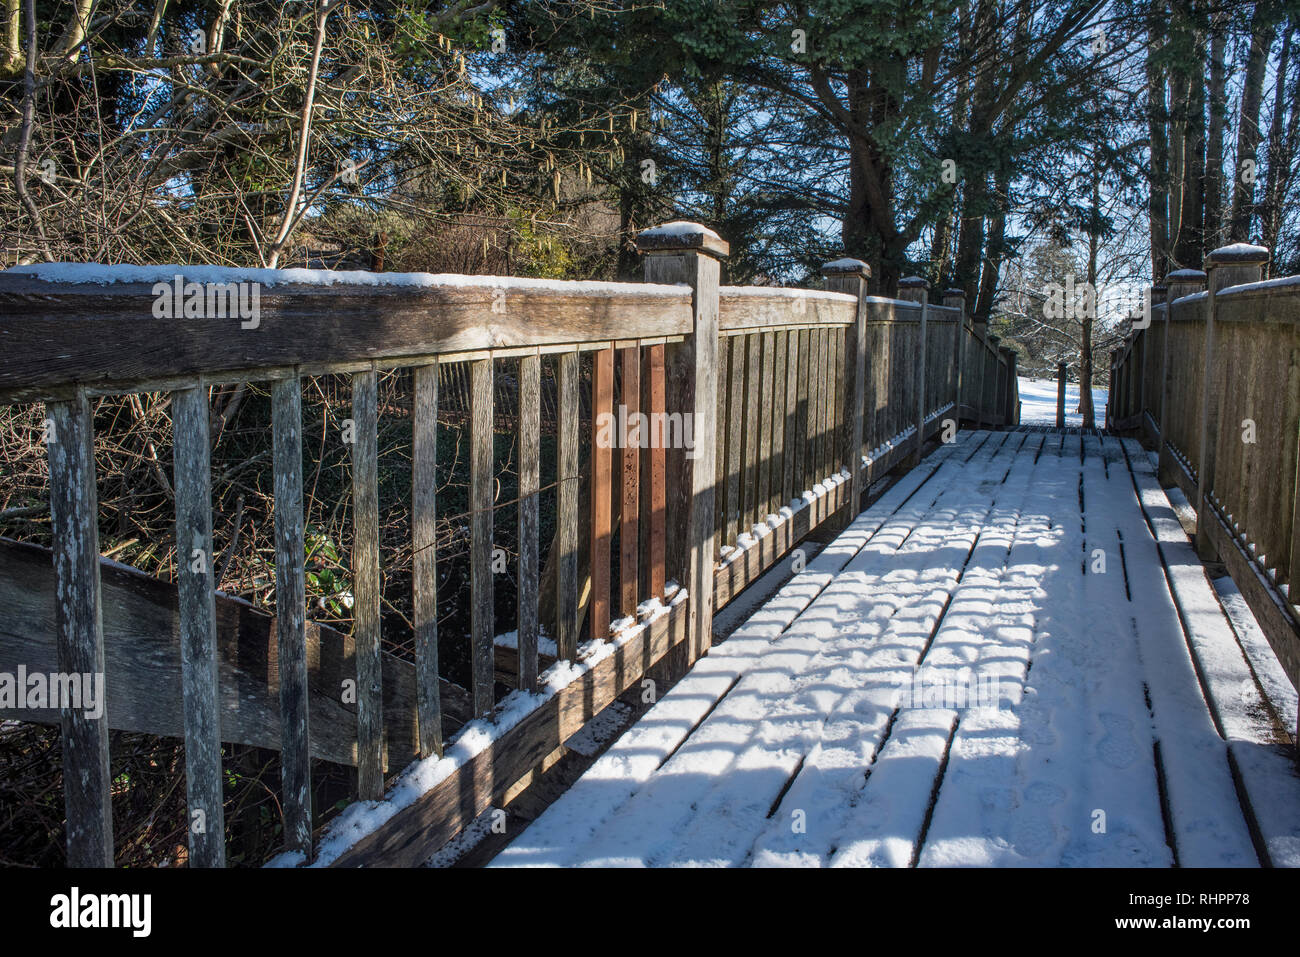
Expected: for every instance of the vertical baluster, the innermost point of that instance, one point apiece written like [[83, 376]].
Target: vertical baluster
[[656, 391], [481, 590], [195, 586], [566, 570], [365, 584], [530, 428], [602, 481], [74, 508], [424, 571], [290, 614], [629, 485]]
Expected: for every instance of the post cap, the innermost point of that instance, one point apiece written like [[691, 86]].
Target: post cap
[[681, 236], [1238, 254], [954, 293], [1184, 275], [912, 282], [847, 267]]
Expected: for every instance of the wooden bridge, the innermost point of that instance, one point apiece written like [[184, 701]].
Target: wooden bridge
[[1006, 633]]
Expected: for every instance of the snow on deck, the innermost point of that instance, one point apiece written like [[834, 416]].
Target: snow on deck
[[993, 665]]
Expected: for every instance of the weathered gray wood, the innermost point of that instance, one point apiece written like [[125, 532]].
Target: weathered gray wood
[[736, 413], [852, 280], [766, 410], [74, 519], [530, 430], [366, 585], [424, 567], [721, 486], [291, 610], [191, 480], [769, 308], [480, 503], [142, 652], [790, 429], [922, 371], [693, 368], [753, 385], [779, 416], [566, 576], [109, 336]]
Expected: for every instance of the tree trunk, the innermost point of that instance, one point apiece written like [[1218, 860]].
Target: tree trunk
[[1157, 121], [1214, 140], [1252, 94], [1280, 158], [1189, 250]]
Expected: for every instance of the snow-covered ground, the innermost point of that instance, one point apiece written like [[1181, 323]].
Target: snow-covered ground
[[1038, 403], [988, 667]]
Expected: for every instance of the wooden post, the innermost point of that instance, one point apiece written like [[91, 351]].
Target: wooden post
[[74, 509], [1180, 283], [291, 613], [956, 299], [366, 586], [191, 471], [1227, 266], [1013, 390], [980, 330], [850, 276], [690, 254], [1060, 395]]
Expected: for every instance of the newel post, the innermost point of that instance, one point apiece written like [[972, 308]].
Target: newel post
[[1060, 393], [850, 276], [915, 289], [1226, 266], [689, 254], [1180, 283]]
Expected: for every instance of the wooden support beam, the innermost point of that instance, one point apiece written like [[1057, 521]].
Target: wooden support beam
[[142, 651]]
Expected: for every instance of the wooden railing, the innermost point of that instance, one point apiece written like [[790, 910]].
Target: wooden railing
[[794, 402], [1214, 382]]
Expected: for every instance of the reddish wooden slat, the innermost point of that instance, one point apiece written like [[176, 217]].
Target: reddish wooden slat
[[602, 480], [630, 483], [658, 485]]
